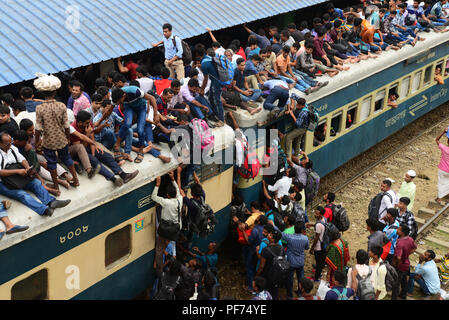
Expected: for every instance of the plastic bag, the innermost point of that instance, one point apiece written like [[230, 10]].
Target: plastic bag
[[444, 295], [323, 289]]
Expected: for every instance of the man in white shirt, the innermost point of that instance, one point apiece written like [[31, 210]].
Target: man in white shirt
[[281, 187], [9, 155], [146, 84], [389, 200]]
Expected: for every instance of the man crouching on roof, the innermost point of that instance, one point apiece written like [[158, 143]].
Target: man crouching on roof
[[10, 155]]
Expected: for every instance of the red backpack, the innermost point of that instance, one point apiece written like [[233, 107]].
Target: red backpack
[[251, 165]]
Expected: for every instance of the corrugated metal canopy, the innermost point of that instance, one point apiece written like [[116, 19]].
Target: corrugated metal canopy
[[46, 36]]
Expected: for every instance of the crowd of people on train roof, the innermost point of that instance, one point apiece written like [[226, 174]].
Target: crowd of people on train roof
[[46, 143]]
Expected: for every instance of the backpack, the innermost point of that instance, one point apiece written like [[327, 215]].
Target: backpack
[[365, 289], [278, 219], [374, 205], [186, 52], [202, 132], [329, 229], [314, 117], [414, 232], [251, 165], [312, 185], [280, 268], [205, 221], [167, 290], [392, 277], [340, 217], [341, 295], [225, 70], [298, 212]]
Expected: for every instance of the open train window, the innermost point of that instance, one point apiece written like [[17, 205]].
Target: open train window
[[380, 101], [446, 72], [428, 75], [351, 116], [366, 108], [405, 88], [336, 124], [35, 287], [416, 81], [319, 136], [439, 69], [117, 246]]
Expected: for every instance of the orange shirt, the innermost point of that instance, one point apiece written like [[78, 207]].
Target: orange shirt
[[282, 63]]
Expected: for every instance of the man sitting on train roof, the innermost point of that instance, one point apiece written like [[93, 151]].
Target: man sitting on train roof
[[10, 227], [11, 157]]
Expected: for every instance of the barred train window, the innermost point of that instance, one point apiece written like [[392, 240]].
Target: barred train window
[[366, 108], [405, 88], [380, 101], [118, 246], [416, 81], [35, 287], [428, 75]]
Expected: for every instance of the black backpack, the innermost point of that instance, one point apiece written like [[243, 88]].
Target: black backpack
[[167, 287], [186, 52], [329, 229], [298, 212], [365, 290], [204, 221], [392, 277], [278, 220], [340, 217], [280, 268], [374, 205]]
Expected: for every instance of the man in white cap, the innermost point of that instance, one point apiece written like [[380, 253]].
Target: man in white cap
[[408, 188]]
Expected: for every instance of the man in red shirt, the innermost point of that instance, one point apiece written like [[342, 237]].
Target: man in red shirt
[[163, 83], [405, 246], [130, 67], [329, 199]]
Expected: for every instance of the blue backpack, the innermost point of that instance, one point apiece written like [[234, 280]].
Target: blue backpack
[[225, 70]]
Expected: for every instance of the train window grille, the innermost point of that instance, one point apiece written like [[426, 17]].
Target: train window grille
[[34, 287], [118, 246], [336, 124], [366, 109], [405, 88], [209, 171], [351, 117], [416, 81], [380, 101], [428, 75]]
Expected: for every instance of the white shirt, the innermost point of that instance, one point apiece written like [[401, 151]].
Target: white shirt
[[201, 78], [25, 115], [386, 203], [146, 84], [281, 186], [150, 115], [220, 51], [8, 157]]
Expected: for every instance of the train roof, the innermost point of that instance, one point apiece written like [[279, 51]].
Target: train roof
[[97, 191], [357, 72]]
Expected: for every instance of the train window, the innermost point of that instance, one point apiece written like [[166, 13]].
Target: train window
[[351, 116], [393, 89], [428, 75], [319, 135], [366, 108], [405, 87], [439, 71], [35, 287], [446, 72], [336, 124], [380, 101], [117, 246], [416, 81]]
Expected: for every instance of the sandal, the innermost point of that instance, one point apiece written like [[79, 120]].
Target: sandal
[[118, 156], [139, 157], [127, 157], [74, 183]]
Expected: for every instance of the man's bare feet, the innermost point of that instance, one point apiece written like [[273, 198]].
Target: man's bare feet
[[64, 183], [7, 204], [164, 159], [253, 111], [148, 148]]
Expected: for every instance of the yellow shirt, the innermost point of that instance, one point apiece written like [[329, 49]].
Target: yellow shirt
[[252, 219]]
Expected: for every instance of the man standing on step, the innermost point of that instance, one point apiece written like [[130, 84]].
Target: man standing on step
[[408, 188]]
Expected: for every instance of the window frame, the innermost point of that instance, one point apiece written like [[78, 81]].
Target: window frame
[[338, 113], [421, 72], [355, 120], [375, 112], [432, 75], [124, 257], [371, 107], [45, 288], [402, 98]]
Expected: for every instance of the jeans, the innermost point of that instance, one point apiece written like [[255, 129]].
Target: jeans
[[401, 289], [106, 159], [421, 282], [187, 173], [107, 138], [141, 111], [299, 274], [197, 111], [407, 32], [24, 197], [215, 100], [277, 93], [305, 77], [300, 84], [256, 95], [320, 257], [2, 211], [248, 253]]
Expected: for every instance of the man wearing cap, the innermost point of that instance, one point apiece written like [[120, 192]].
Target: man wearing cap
[[408, 188], [53, 124]]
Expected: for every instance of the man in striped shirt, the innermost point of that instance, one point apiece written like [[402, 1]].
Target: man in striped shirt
[[405, 216]]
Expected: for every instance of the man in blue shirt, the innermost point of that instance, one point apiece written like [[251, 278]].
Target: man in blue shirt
[[426, 274], [279, 90], [173, 52], [210, 72], [300, 116], [262, 40], [391, 230], [26, 93]]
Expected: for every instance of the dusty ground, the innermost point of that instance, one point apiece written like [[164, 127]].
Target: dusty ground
[[422, 156]]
